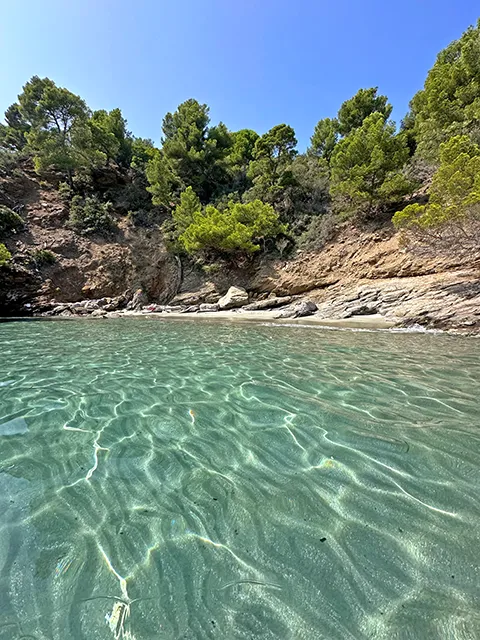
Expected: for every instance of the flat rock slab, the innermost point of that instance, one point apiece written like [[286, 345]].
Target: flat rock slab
[[299, 310], [269, 303]]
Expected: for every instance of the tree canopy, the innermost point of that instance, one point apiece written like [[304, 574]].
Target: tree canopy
[[449, 103], [237, 229], [353, 112], [324, 138], [366, 167], [452, 215], [214, 189]]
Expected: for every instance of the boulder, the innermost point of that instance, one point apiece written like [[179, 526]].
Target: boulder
[[172, 308], [206, 307], [299, 310], [138, 301], [207, 293], [113, 304], [235, 297], [59, 309], [91, 305]]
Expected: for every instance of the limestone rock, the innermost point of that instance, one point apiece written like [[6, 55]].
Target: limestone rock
[[207, 293], [269, 303], [206, 307], [172, 308], [234, 298], [138, 301], [299, 310]]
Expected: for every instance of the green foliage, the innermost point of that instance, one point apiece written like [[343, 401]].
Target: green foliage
[[239, 158], [9, 160], [110, 136], [353, 112], [162, 181], [238, 229], [366, 167], [5, 255], [321, 230], [44, 257], [325, 138], [184, 213], [56, 120], [454, 195], [12, 134], [65, 192], [193, 154], [310, 192], [270, 169], [90, 215], [305, 195], [9, 220], [142, 152], [449, 103]]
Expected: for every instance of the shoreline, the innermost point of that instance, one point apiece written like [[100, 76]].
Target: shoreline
[[374, 321], [371, 322]]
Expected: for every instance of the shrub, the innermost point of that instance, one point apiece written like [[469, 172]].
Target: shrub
[[8, 161], [211, 269], [238, 229], [44, 257], [451, 219], [5, 255], [90, 215], [321, 230], [144, 217], [9, 220], [65, 192]]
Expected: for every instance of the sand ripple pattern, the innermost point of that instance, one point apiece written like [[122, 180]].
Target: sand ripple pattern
[[167, 480]]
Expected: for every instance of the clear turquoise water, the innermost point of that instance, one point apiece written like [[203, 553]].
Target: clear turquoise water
[[165, 479]]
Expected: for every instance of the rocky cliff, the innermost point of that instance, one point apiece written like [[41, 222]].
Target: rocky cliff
[[360, 273], [84, 267]]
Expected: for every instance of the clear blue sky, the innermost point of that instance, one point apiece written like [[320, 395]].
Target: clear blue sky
[[256, 63]]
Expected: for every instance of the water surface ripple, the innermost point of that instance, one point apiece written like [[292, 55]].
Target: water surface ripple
[[172, 479]]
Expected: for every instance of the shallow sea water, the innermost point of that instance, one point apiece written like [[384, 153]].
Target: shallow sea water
[[179, 479]]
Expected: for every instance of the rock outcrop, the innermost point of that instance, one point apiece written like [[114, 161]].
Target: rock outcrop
[[361, 273], [234, 298], [298, 310], [269, 303], [85, 267]]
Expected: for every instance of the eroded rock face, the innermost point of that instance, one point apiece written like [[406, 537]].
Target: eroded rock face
[[17, 288], [85, 267], [437, 301], [234, 298]]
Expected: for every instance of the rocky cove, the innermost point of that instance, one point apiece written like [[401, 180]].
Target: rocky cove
[[449, 303], [359, 274]]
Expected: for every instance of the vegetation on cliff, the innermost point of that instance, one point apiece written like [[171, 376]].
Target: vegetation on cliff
[[218, 193]]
